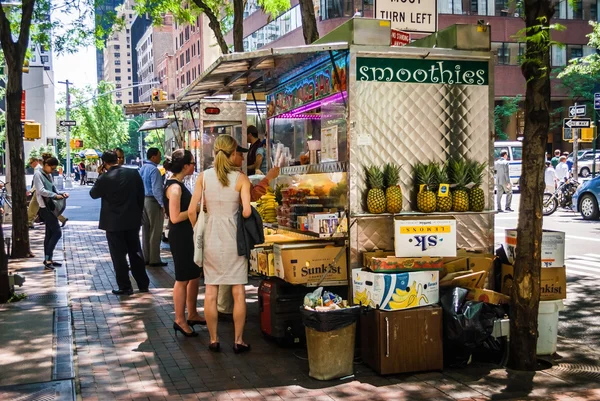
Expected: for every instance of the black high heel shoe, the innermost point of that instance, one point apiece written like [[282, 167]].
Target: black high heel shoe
[[240, 348], [177, 328], [56, 264], [192, 323], [48, 265], [214, 347]]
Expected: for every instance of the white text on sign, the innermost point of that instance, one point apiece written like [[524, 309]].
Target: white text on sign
[[408, 15]]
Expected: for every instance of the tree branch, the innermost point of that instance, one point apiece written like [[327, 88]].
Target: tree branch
[[26, 16], [214, 24], [6, 37]]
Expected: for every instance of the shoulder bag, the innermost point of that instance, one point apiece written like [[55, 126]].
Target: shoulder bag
[[199, 230], [56, 206]]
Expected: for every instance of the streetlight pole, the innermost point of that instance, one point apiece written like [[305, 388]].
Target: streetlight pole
[[68, 183]]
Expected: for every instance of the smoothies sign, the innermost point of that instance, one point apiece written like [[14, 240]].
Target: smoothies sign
[[315, 85], [450, 72]]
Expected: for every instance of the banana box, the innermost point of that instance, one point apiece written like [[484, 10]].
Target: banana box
[[254, 259], [415, 237], [395, 291]]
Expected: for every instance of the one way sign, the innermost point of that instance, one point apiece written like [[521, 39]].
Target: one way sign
[[577, 111], [577, 123]]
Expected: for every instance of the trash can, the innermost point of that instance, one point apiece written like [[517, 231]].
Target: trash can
[[548, 326], [330, 338]]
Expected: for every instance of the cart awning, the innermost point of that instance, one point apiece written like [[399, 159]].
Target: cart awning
[[159, 123], [258, 70], [147, 107]]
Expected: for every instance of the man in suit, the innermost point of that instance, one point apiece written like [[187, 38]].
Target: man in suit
[[503, 184], [122, 192]]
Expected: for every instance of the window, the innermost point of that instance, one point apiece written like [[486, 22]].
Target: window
[[117, 70], [575, 51], [187, 56], [193, 50], [559, 56], [517, 153], [129, 70], [117, 62], [117, 55], [118, 86], [129, 46], [181, 38], [117, 78], [178, 82], [44, 59], [119, 102], [127, 31], [129, 93], [176, 63], [187, 76], [117, 47], [187, 33], [129, 78], [176, 42]]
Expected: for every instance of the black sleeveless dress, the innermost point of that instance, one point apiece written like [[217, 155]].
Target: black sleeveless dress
[[181, 238]]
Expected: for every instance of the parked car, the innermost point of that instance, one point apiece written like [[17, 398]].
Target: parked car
[[585, 164], [585, 199], [580, 154]]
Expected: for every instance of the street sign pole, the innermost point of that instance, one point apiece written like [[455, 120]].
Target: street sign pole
[[575, 150], [69, 182]]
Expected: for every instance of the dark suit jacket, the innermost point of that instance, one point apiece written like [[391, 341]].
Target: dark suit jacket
[[249, 232], [122, 193]]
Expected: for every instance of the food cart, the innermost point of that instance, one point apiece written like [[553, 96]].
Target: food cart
[[352, 101]]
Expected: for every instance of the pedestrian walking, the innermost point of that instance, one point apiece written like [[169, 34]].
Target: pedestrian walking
[[225, 187], [49, 209], [34, 206], [550, 178], [187, 273], [82, 173], [122, 193], [555, 160], [503, 184], [154, 210], [562, 169]]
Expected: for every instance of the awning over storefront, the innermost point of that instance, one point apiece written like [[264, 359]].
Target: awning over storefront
[[257, 71], [147, 107], [160, 123]]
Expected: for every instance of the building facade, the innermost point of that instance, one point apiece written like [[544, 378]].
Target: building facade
[[40, 103], [118, 63], [151, 49], [166, 75]]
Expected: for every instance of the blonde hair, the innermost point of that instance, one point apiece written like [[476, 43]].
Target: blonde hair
[[225, 146]]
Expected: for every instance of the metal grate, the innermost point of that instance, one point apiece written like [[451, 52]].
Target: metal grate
[[43, 298], [44, 394], [580, 370]]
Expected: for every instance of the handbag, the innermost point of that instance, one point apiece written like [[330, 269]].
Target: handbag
[[199, 231], [56, 206]]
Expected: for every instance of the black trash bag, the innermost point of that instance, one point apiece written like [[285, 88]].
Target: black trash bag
[[467, 325], [330, 320]]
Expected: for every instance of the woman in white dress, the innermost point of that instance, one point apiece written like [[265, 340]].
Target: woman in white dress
[[225, 187]]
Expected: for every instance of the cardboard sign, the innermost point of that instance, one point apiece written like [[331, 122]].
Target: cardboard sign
[[397, 291], [419, 237], [553, 247]]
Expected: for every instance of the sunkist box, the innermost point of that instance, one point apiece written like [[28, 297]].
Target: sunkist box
[[395, 291], [418, 237], [306, 263], [553, 282], [553, 247]]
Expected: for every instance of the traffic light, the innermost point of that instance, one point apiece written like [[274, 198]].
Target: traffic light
[[26, 66], [76, 143], [163, 95], [155, 95]]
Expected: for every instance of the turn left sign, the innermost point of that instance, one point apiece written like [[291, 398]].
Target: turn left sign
[[409, 15]]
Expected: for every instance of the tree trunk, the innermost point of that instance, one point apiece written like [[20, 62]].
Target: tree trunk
[[215, 25], [20, 228], [525, 295], [238, 26], [309, 21]]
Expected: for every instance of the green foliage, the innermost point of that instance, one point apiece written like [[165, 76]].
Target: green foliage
[[155, 139], [132, 147], [37, 152], [509, 106]]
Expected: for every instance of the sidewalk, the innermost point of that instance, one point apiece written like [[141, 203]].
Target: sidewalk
[[124, 348]]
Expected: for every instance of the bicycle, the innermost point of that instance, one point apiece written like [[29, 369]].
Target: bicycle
[[5, 201]]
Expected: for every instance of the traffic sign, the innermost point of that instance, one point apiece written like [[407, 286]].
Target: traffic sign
[[68, 123], [577, 111], [400, 38], [596, 101], [577, 123]]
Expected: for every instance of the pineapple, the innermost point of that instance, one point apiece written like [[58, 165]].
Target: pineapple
[[458, 176], [393, 192], [375, 196], [424, 175], [476, 193], [444, 203]]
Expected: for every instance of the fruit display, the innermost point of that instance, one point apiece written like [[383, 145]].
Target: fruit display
[[393, 192], [425, 182], [459, 177], [267, 207], [375, 195], [476, 193], [444, 203]]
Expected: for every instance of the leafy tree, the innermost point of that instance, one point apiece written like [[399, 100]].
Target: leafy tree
[[155, 139], [525, 294], [102, 123], [132, 147], [509, 106]]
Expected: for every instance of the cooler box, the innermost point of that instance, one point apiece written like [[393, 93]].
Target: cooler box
[[402, 341], [279, 305]]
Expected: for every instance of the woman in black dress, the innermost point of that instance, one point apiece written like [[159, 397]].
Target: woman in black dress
[[187, 273]]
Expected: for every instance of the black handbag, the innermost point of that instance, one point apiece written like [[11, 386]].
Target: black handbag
[[56, 206]]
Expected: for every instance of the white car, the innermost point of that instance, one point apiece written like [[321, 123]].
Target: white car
[[585, 164]]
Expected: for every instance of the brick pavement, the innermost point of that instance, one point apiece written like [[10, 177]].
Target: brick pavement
[[125, 349]]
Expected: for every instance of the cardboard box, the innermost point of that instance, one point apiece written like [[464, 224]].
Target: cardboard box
[[393, 264], [271, 264], [254, 259], [553, 247], [306, 263], [263, 263], [467, 279], [418, 237], [395, 291], [367, 256], [553, 282], [488, 296], [323, 223]]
